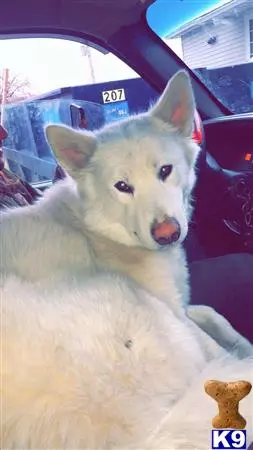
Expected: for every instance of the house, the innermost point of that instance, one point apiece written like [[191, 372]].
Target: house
[[221, 37]]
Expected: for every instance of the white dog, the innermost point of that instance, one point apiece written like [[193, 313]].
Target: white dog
[[126, 207], [98, 351], [99, 363]]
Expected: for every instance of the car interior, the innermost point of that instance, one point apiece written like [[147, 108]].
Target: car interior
[[222, 223]]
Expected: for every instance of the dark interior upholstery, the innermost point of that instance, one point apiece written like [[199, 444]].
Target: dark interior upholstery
[[74, 15]]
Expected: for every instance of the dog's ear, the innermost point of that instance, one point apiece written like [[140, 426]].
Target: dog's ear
[[72, 148], [176, 105]]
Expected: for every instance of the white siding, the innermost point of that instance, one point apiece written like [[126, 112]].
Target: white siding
[[230, 48]]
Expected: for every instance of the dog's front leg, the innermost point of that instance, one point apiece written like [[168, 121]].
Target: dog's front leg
[[220, 329]]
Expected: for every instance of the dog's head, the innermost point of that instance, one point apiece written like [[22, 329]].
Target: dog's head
[[135, 177]]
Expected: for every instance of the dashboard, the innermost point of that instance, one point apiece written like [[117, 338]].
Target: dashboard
[[225, 185], [229, 140]]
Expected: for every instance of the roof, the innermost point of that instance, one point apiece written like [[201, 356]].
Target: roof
[[226, 9]]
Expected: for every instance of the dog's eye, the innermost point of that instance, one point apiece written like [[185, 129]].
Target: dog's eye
[[165, 171], [124, 187]]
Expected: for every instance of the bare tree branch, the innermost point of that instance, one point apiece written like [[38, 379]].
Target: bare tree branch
[[17, 88]]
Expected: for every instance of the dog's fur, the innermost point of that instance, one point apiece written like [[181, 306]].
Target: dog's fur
[[98, 351], [98, 363]]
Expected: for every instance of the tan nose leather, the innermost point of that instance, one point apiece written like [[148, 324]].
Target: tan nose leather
[[165, 229]]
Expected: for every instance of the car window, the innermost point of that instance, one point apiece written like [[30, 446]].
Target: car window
[[215, 39], [54, 80]]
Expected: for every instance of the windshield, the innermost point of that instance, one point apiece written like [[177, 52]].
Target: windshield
[[53, 80], [215, 39]]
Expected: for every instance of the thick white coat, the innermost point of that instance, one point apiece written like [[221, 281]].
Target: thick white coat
[[99, 349]]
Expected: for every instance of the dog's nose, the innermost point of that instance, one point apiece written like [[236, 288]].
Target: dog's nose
[[166, 232]]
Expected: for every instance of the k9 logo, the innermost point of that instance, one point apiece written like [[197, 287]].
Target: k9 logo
[[229, 439]]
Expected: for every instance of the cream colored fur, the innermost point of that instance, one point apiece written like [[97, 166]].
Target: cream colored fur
[[98, 347], [99, 363]]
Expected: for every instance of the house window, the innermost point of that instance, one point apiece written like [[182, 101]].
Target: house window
[[251, 38]]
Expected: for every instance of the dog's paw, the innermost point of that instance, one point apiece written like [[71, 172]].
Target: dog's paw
[[200, 314], [219, 328]]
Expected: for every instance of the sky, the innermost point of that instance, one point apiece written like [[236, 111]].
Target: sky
[[49, 64], [53, 63]]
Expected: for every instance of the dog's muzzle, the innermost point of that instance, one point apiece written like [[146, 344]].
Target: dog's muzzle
[[166, 232]]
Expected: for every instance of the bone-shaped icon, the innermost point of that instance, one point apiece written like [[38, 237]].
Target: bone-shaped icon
[[228, 396]]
